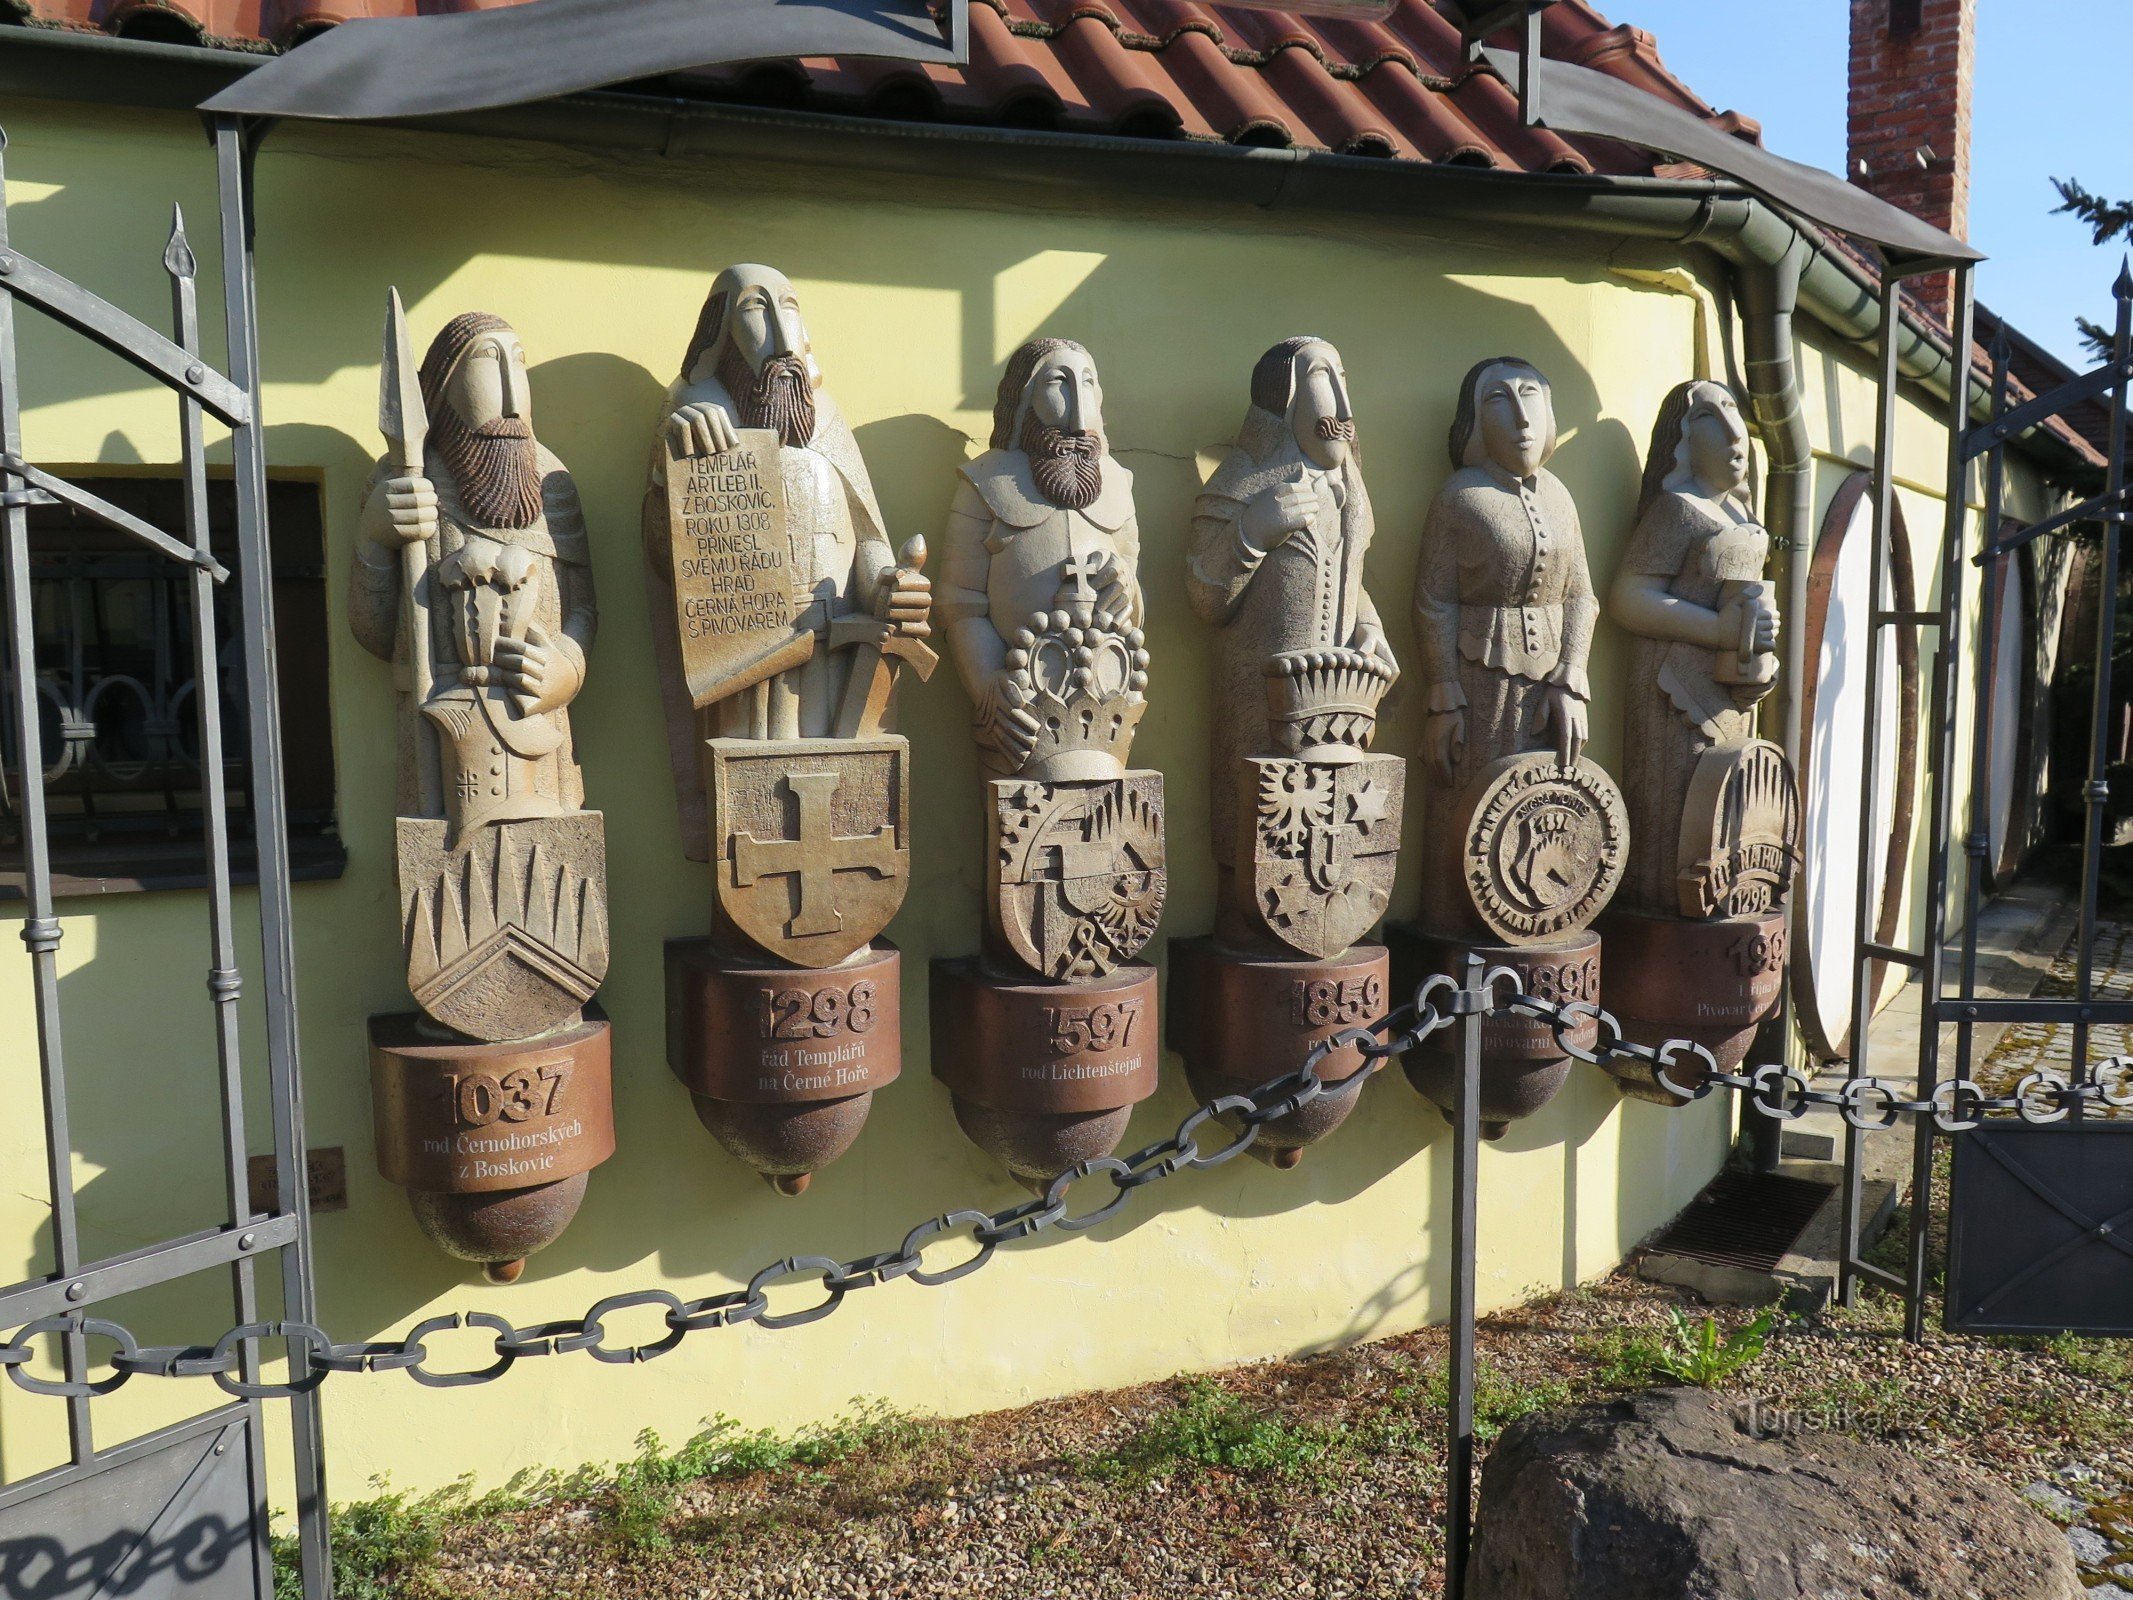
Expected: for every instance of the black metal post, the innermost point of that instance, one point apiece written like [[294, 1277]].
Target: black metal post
[[1864, 907], [235, 142], [40, 927], [1940, 816], [1466, 1163], [2096, 791]]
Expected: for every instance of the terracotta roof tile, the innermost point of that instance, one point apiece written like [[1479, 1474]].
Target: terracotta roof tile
[[1146, 68]]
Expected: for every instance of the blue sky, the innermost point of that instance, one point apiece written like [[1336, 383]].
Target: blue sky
[[2042, 110]]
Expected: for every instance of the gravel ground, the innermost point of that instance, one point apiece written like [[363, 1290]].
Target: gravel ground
[[1334, 1492]]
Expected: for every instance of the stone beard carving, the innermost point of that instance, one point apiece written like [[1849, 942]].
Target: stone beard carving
[[1715, 810], [1306, 824], [1043, 597], [779, 614], [1504, 610], [779, 610], [781, 622], [471, 576]]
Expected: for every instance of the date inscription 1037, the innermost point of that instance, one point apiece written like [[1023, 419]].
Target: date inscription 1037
[[478, 1099]]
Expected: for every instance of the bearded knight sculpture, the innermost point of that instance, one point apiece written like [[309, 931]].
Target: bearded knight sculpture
[[781, 621], [471, 576], [1527, 837], [1043, 600], [1306, 820], [1714, 811]]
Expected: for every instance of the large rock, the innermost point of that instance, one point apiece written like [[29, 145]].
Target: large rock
[[1680, 1495]]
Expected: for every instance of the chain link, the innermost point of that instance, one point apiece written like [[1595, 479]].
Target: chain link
[[1682, 1067], [1066, 1205]]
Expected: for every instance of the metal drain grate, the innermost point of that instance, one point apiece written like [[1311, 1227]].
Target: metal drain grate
[[1744, 1219]]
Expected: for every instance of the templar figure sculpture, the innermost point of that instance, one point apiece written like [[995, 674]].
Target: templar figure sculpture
[[1306, 820], [471, 575], [1527, 837], [1049, 1040], [1714, 811], [781, 621]]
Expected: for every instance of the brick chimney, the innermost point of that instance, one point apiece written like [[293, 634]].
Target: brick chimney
[[1909, 117]]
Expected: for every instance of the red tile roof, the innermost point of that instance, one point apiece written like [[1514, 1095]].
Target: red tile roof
[[1149, 68]]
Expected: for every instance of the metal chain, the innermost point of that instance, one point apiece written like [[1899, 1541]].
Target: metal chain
[[982, 1232], [1779, 1091]]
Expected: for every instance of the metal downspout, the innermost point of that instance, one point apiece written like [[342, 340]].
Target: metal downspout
[[1770, 295]]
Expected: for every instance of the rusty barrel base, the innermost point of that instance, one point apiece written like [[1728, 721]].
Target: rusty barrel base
[[1709, 982], [1522, 1066], [492, 1141], [782, 1062], [1242, 1019], [1044, 1074]]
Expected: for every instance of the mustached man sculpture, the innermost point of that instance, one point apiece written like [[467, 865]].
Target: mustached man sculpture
[[471, 577], [781, 621], [1049, 1039], [1306, 819], [1527, 836], [1696, 940]]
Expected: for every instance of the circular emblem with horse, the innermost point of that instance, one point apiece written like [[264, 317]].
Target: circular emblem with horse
[[1545, 846]]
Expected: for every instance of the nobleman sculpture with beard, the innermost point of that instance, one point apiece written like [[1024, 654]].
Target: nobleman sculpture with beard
[[1306, 819], [781, 621], [471, 575], [1042, 592]]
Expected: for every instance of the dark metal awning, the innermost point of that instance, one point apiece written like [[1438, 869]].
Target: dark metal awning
[[478, 60], [1573, 99]]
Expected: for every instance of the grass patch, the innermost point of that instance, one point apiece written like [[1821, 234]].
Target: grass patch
[[1208, 1427], [640, 1497], [382, 1547], [1498, 1401]]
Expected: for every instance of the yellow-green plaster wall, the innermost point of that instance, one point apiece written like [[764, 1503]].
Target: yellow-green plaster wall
[[914, 296]]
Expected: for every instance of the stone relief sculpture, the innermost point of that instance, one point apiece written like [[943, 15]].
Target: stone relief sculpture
[[1527, 838], [1306, 822], [781, 621], [1714, 811], [471, 575], [1048, 1041]]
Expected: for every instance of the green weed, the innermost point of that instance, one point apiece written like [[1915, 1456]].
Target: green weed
[[381, 1546], [1210, 1427], [1695, 1353]]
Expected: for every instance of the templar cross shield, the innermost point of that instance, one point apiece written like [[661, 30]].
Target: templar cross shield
[[1325, 839], [812, 843], [1079, 871]]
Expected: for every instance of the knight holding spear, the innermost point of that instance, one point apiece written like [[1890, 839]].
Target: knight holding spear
[[471, 576]]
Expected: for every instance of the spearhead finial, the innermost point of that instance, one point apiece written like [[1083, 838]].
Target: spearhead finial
[[178, 258], [2123, 288]]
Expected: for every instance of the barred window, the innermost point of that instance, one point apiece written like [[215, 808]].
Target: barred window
[[118, 723]]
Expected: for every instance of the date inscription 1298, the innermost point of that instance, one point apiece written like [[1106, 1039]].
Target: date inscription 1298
[[734, 576]]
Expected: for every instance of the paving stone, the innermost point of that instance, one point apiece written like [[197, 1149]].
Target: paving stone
[[2091, 1548], [2055, 1500]]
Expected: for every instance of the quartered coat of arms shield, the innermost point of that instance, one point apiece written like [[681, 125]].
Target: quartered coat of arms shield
[[1080, 870], [811, 840], [1325, 840]]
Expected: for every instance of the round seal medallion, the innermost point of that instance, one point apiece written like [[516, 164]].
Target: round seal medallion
[[1740, 832], [1545, 846]]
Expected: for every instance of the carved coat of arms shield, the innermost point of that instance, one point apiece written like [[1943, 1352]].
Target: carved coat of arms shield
[[1324, 841], [506, 927], [811, 841], [1079, 870]]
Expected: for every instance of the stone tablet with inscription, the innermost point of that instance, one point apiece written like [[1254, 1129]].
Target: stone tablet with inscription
[[735, 576]]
